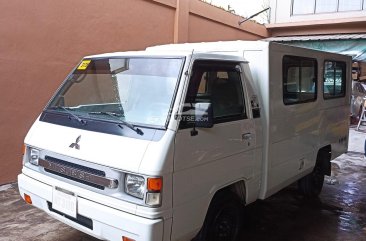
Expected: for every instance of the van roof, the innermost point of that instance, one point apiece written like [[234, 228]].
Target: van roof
[[232, 48], [142, 54], [219, 46]]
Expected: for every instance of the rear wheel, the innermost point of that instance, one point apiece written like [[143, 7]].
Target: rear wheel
[[223, 220], [311, 185]]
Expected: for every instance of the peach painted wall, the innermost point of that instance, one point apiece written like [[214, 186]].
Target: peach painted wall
[[41, 40], [198, 24]]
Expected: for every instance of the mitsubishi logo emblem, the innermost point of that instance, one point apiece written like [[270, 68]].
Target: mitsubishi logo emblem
[[76, 143]]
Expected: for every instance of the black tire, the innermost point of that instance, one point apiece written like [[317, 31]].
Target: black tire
[[223, 220], [311, 185]]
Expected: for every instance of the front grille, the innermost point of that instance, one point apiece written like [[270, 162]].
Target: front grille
[[75, 166], [80, 219]]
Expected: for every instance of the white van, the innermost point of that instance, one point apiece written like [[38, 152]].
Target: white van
[[171, 142]]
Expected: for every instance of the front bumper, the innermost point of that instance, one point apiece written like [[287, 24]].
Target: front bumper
[[107, 223]]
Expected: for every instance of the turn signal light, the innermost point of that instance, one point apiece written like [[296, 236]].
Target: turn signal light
[[127, 239], [27, 199], [154, 184]]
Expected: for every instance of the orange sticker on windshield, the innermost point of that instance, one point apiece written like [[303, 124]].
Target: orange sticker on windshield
[[84, 64]]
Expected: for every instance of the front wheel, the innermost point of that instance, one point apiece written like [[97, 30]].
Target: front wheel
[[223, 220], [311, 185]]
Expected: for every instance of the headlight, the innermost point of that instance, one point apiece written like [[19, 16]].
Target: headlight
[[34, 156], [135, 185]]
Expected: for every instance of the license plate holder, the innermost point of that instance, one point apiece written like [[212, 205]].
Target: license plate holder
[[64, 201]]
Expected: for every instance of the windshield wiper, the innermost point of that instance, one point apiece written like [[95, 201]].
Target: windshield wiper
[[115, 116], [67, 109]]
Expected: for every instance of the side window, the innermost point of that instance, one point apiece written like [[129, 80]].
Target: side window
[[334, 79], [299, 79], [218, 83]]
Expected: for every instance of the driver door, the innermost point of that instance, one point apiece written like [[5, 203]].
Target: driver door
[[207, 159]]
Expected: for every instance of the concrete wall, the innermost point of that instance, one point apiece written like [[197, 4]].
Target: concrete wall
[[281, 12], [41, 40], [283, 23]]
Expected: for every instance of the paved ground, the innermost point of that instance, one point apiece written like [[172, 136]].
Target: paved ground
[[22, 222], [338, 215]]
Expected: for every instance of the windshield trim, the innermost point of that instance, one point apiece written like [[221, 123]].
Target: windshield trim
[[169, 116]]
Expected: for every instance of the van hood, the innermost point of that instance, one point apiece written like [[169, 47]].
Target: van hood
[[123, 153]]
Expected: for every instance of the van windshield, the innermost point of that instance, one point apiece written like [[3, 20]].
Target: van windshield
[[134, 90]]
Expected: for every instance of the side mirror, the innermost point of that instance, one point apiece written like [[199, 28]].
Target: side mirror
[[198, 114]]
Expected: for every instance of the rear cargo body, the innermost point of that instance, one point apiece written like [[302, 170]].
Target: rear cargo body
[[150, 145], [295, 133]]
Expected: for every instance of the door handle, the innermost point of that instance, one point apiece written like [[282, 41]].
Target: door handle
[[246, 136]]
